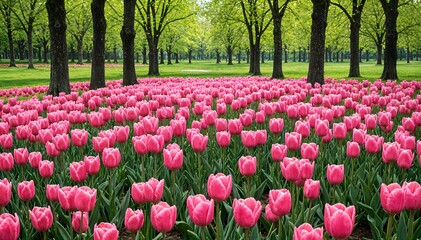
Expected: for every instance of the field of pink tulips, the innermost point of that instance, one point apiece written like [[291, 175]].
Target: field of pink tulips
[[226, 158]]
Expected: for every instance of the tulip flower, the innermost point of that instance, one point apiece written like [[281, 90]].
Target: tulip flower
[[276, 125], [309, 151], [293, 141], [26, 190], [46, 168], [412, 198], [306, 231], [66, 197], [151, 191], [163, 217], [78, 172], [77, 219], [339, 220], [52, 192], [269, 215], [34, 159], [92, 164], [133, 220], [278, 152], [9, 226], [246, 213], [79, 137], [392, 199], [201, 210], [105, 231], [6, 192], [41, 218], [6, 162]]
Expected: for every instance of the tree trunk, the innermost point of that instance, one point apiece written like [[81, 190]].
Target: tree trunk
[[342, 56], [263, 56], [285, 54], [326, 55], [318, 37], [229, 53], [153, 57], [128, 35], [218, 57], [299, 55], [390, 55], [98, 61], [11, 48], [337, 56], [354, 62], [169, 52], [248, 56], [190, 55], [408, 55], [401, 54], [21, 48], [137, 57], [108, 56], [72, 53], [30, 47], [39, 53], [80, 51], [59, 71], [88, 57], [417, 54], [256, 57], [239, 57], [330, 54], [367, 55], [379, 54], [46, 52], [116, 55], [293, 55], [361, 56], [144, 57], [176, 58], [162, 56], [305, 55]]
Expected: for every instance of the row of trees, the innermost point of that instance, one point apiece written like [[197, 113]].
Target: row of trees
[[225, 27]]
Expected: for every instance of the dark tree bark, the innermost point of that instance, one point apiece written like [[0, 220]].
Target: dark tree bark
[[390, 9], [177, 56], [39, 53], [161, 53], [11, 48], [318, 37], [128, 35], [108, 56], [88, 57], [21, 49], [72, 53], [218, 57], [80, 51], [144, 57], [305, 55], [239, 57], [30, 47], [45, 47], [417, 54], [137, 57], [408, 55], [190, 51], [285, 54], [299, 55], [59, 75], [293, 55], [229, 54], [115, 55], [379, 54], [367, 55], [169, 53], [98, 49], [401, 54], [342, 56], [263, 56]]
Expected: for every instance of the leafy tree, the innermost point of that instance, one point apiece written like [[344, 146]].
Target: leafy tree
[[6, 12], [127, 37], [390, 8], [99, 27], [373, 26]]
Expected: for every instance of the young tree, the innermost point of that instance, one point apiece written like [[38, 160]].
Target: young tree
[[79, 21], [373, 26], [59, 75], [317, 44], [6, 12], [354, 17], [98, 61], [128, 35]]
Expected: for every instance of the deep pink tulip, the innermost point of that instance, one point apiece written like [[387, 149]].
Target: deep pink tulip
[[92, 164], [173, 157], [121, 133], [293, 141], [155, 143], [373, 143], [100, 143], [303, 128], [111, 157], [335, 174], [370, 121], [223, 138], [408, 124], [34, 159], [246, 212], [339, 220], [78, 172], [309, 151], [6, 141], [306, 232], [51, 150], [52, 192], [261, 137], [133, 220], [46, 168], [150, 191], [166, 133], [201, 210], [392, 198], [339, 131], [321, 127], [280, 201], [247, 165], [41, 218], [21, 156], [352, 149], [358, 135], [199, 142], [234, 126], [311, 189], [248, 138], [390, 152], [105, 231], [407, 142], [79, 137], [278, 152], [66, 197], [246, 119], [405, 158], [76, 221], [110, 135], [219, 186], [163, 217], [6, 161], [178, 127], [328, 137], [261, 118], [276, 125], [6, 192], [9, 226], [26, 190], [61, 142], [221, 125], [269, 215], [290, 168], [412, 195], [140, 144]]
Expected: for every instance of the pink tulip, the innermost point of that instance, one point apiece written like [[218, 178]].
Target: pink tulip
[[303, 128], [219, 186], [269, 215], [199, 142], [280, 202], [133, 220], [358, 135], [309, 151], [178, 127], [373, 143], [51, 150], [46, 168], [352, 149], [321, 127], [121, 133], [261, 137], [247, 165], [370, 121], [276, 125], [66, 197], [6, 162], [290, 168], [41, 218], [61, 142], [293, 141], [221, 125], [412, 195], [307, 232], [6, 192], [335, 174], [111, 157], [405, 158], [223, 138], [105, 231], [76, 217], [173, 157], [201, 210], [408, 124], [246, 212], [52, 192], [34, 159], [100, 143], [6, 141], [151, 191], [78, 172], [339, 220], [85, 199], [390, 152], [339, 131], [140, 144], [21, 156], [278, 152], [163, 217], [79, 137], [26, 190], [92, 164], [155, 143], [392, 198], [235, 127], [311, 189], [9, 226]]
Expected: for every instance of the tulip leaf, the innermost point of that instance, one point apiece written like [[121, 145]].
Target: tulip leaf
[[63, 232], [255, 233], [192, 235], [183, 227], [159, 236], [259, 191], [401, 234]]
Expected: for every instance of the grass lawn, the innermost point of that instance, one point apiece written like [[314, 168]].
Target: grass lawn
[[21, 76]]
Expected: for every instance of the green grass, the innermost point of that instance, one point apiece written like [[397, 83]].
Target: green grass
[[21, 76]]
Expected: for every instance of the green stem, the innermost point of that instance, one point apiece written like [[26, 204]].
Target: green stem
[[352, 170], [203, 233], [389, 227], [246, 234], [199, 166], [143, 168], [217, 221], [411, 225], [164, 235], [154, 166], [334, 194], [134, 235], [280, 228], [29, 221], [80, 227], [174, 185], [21, 173], [302, 208], [70, 225], [44, 233], [309, 211], [279, 175], [388, 172], [403, 175], [248, 187], [293, 200], [110, 183], [270, 230]]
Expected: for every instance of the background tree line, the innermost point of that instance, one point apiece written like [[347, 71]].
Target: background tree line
[[150, 32]]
